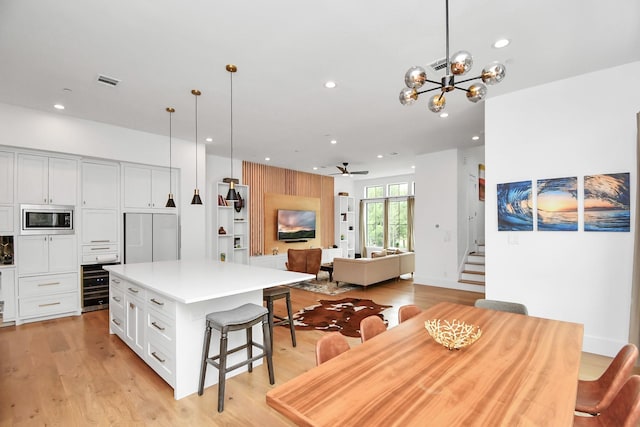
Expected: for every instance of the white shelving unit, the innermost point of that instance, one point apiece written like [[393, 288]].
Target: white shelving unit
[[233, 244], [345, 221]]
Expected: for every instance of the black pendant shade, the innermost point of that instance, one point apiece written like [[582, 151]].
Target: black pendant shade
[[170, 202], [196, 198]]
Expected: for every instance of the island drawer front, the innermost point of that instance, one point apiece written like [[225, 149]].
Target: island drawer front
[[47, 285], [161, 361], [161, 330], [161, 304], [48, 305], [134, 291], [116, 282], [116, 320], [116, 298]]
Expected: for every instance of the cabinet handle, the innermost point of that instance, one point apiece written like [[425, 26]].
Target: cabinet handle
[[153, 300], [115, 281], [48, 284], [99, 249], [157, 327], [50, 200], [100, 241], [116, 299], [132, 305], [157, 357], [49, 304], [135, 291], [116, 322]]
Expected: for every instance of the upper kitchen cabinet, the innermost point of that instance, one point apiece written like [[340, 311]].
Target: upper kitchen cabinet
[[100, 185], [6, 178], [47, 180], [148, 187]]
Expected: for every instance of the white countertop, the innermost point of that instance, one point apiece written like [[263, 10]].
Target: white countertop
[[201, 280]]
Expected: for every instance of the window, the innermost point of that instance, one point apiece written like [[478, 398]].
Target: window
[[401, 189], [373, 192], [397, 227], [374, 218]]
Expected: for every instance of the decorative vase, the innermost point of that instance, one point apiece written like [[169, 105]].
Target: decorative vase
[[223, 256], [221, 230]]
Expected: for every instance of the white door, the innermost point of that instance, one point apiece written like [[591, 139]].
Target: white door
[[138, 238], [33, 179], [99, 186], [137, 187], [159, 187], [63, 257], [6, 177], [33, 255], [63, 181], [99, 226]]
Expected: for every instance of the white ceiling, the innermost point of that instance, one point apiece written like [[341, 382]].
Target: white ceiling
[[285, 50]]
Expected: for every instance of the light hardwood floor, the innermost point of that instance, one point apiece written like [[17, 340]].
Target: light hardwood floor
[[70, 371]]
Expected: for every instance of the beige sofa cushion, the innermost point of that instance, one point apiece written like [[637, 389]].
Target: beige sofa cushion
[[365, 271]]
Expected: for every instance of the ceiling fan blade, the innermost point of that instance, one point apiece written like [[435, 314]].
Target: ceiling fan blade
[[359, 173], [342, 170]]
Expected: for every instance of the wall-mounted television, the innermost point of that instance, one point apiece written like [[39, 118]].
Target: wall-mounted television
[[296, 225]]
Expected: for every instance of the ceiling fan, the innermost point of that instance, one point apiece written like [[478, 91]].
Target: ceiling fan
[[344, 172]]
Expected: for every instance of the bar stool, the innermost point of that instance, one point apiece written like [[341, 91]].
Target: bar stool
[[243, 317], [269, 295]]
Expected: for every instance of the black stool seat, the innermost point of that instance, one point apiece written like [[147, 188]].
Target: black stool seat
[[269, 295], [243, 317]]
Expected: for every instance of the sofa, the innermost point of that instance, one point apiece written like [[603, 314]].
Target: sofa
[[367, 271]]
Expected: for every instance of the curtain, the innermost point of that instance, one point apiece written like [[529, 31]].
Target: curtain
[[385, 230], [634, 320], [411, 201], [362, 230]]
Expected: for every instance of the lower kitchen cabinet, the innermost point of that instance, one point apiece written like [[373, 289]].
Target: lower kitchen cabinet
[[48, 296]]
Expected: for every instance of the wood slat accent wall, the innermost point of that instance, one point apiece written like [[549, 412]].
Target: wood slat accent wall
[[263, 179]]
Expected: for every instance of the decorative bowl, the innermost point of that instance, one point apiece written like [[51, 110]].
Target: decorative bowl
[[453, 334]]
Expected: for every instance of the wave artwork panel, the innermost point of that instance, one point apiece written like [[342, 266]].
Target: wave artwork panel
[[558, 204], [606, 202], [515, 209]]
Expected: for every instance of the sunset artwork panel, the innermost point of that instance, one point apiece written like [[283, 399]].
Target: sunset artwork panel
[[606, 202], [515, 209], [557, 204]]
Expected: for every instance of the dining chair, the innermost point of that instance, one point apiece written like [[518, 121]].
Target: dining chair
[[595, 395], [406, 312], [624, 410], [329, 346], [371, 326], [511, 307]]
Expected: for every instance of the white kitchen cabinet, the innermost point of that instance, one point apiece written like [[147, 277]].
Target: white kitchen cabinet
[[6, 177], [135, 321], [47, 296], [147, 187], [99, 226], [100, 185], [6, 219], [43, 254], [7, 294], [47, 180]]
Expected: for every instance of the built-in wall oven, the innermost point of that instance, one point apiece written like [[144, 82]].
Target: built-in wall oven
[[46, 219], [95, 287]]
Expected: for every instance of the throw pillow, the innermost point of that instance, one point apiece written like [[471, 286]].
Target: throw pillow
[[378, 254]]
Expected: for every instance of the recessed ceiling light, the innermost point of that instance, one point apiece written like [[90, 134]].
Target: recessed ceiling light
[[58, 106], [475, 137], [413, 166], [315, 168], [333, 141], [330, 84], [499, 44], [444, 115], [209, 139], [267, 158], [380, 156]]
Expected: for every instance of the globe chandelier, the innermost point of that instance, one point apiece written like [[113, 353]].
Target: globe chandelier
[[458, 64]]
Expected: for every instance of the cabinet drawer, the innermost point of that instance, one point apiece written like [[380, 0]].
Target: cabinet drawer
[[99, 248], [48, 305], [116, 297], [116, 320], [132, 290], [100, 258], [47, 285], [160, 330], [161, 361], [116, 282], [161, 304]]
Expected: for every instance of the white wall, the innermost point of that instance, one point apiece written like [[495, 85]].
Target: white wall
[[32, 129], [575, 127]]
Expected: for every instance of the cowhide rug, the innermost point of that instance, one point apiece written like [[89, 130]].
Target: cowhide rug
[[343, 315]]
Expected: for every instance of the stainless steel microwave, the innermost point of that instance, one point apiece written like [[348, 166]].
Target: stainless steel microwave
[[46, 219]]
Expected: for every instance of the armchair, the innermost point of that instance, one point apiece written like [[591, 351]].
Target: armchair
[[304, 260]]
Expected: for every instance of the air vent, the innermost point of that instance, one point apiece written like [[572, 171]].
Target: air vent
[[109, 81], [438, 65]]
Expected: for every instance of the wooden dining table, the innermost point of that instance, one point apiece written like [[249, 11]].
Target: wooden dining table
[[522, 371]]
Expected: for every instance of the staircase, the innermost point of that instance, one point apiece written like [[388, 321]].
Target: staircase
[[473, 270]]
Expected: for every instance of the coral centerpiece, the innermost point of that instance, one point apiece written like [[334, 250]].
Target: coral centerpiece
[[453, 334]]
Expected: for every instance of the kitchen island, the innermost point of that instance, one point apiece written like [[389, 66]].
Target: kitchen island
[[158, 309]]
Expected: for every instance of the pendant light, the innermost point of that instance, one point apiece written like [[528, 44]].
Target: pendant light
[[170, 202], [196, 193], [232, 195]]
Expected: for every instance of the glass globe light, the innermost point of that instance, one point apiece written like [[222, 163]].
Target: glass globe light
[[408, 96], [437, 103], [477, 92], [461, 62], [493, 73], [415, 77]]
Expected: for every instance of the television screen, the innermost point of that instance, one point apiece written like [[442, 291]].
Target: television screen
[[293, 225]]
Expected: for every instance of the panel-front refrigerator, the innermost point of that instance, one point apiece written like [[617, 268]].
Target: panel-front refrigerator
[[150, 237]]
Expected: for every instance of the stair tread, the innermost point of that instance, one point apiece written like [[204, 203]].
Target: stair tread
[[474, 263], [477, 254], [480, 273], [471, 282]]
